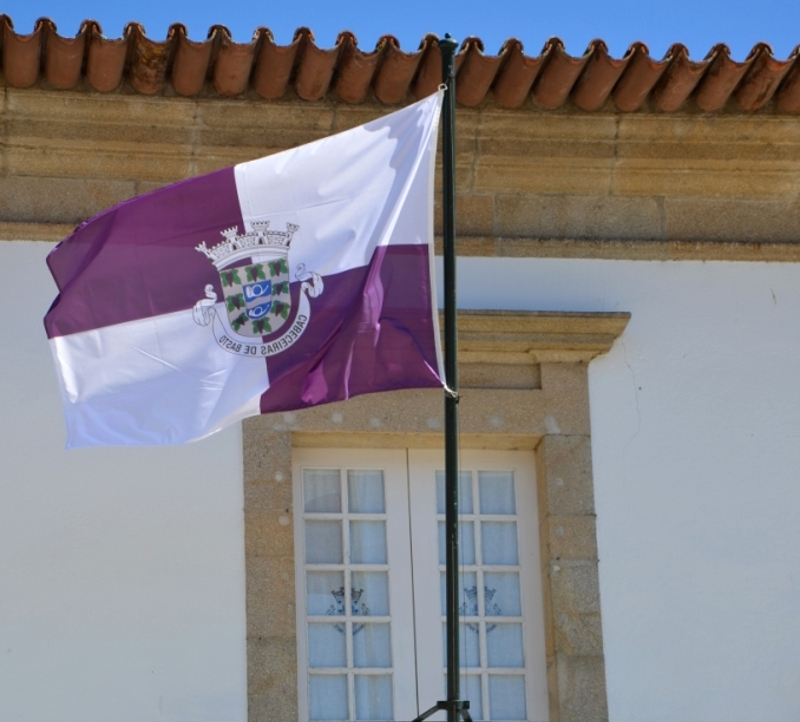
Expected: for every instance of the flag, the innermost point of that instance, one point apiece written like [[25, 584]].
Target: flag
[[297, 279]]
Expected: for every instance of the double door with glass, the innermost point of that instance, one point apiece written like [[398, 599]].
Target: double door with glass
[[370, 583]]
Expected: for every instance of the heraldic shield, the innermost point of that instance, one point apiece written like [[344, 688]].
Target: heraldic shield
[[254, 275], [257, 295]]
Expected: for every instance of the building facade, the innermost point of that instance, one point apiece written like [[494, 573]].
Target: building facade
[[629, 338]]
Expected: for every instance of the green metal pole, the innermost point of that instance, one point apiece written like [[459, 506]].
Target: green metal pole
[[448, 47]]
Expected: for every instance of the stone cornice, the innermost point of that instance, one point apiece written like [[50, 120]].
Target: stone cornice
[[522, 337], [642, 186]]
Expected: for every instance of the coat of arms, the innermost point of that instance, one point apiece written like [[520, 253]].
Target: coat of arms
[[254, 274]]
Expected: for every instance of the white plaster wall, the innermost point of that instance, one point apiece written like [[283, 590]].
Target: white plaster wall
[[121, 570], [696, 451]]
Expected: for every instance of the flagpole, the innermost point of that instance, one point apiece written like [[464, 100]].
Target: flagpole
[[455, 706]]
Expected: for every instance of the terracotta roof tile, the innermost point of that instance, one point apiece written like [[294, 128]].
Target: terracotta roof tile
[[148, 66], [190, 62], [518, 74], [551, 80], [105, 60], [63, 60], [557, 76], [477, 73], [273, 65], [355, 69], [600, 75], [678, 80], [789, 92], [395, 73], [232, 65], [21, 55], [429, 72], [314, 69], [762, 78], [720, 79], [641, 74]]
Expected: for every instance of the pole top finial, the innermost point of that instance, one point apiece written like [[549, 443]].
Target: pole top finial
[[448, 44]]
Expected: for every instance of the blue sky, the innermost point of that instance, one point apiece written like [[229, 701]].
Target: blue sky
[[699, 24]]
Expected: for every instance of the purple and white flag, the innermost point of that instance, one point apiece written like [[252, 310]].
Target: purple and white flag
[[294, 280]]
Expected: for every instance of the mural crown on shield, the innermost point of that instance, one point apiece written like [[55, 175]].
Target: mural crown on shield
[[254, 273]]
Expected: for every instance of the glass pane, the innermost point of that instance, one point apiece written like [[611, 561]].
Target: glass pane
[[370, 592], [467, 582], [466, 542], [325, 592], [469, 645], [496, 490], [321, 490], [373, 697], [471, 691], [328, 697], [371, 646], [504, 645], [323, 542], [368, 542], [326, 645], [501, 594], [464, 492], [507, 697], [499, 542], [365, 492]]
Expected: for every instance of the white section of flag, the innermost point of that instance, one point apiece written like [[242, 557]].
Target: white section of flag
[[118, 381], [349, 186]]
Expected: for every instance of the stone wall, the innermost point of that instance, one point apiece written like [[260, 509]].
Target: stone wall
[[567, 183]]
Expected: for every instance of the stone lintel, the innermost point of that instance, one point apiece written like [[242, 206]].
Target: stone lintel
[[520, 337]]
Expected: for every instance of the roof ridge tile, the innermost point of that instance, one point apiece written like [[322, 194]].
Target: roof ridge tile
[[392, 75]]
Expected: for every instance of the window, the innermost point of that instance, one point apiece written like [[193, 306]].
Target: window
[[370, 570], [524, 386]]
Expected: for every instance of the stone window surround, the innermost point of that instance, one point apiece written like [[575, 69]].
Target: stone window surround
[[524, 385]]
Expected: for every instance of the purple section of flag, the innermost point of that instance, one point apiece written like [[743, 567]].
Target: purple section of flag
[[138, 259], [369, 331]]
